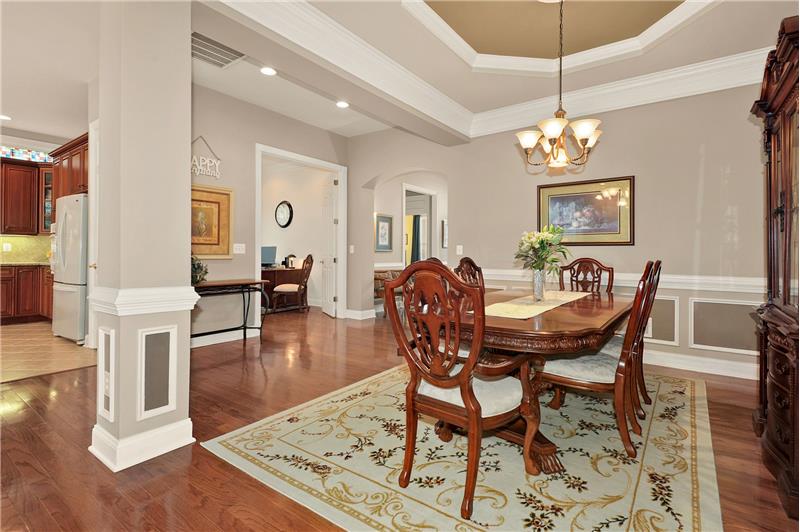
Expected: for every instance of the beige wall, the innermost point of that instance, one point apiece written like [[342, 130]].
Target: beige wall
[[233, 128], [699, 191]]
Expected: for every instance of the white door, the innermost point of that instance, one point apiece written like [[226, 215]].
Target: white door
[[328, 260]]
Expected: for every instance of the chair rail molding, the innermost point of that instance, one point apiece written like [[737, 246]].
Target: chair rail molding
[[711, 283], [533, 66], [134, 301]]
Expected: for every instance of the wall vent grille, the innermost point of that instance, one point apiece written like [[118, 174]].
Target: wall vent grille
[[213, 52]]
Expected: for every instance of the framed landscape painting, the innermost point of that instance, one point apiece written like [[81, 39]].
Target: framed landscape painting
[[592, 213], [211, 222], [383, 232]]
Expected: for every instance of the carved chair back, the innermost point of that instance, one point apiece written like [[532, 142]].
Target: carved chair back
[[586, 274], [308, 262], [433, 298], [637, 321], [469, 272]]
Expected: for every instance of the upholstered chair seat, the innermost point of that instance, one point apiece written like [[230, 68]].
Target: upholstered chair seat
[[598, 367], [288, 288], [495, 395]]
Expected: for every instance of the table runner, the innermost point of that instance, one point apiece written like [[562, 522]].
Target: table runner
[[525, 307]]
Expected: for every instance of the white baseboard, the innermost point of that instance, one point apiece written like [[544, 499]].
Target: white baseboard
[[702, 364], [360, 314], [219, 338], [121, 454]]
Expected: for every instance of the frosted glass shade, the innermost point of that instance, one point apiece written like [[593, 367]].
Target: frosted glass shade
[[583, 129], [559, 159], [593, 138], [528, 139], [552, 127]]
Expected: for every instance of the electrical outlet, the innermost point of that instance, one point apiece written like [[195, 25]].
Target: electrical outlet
[[459, 250], [239, 249], [6, 246]]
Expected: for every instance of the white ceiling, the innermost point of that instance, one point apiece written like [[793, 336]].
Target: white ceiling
[[243, 80]]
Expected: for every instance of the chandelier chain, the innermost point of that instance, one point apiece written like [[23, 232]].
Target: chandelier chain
[[560, 50]]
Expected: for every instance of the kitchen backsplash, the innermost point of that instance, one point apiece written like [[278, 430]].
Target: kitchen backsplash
[[24, 249]]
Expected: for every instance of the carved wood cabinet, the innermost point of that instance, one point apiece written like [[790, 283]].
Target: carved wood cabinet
[[775, 418]]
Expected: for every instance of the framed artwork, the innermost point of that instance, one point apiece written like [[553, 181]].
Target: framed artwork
[[383, 232], [445, 236], [211, 222], [592, 213]]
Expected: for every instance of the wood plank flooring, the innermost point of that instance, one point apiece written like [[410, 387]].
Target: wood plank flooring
[[51, 482], [30, 349]]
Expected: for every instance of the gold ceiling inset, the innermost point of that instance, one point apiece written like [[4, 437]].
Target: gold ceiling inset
[[530, 28]]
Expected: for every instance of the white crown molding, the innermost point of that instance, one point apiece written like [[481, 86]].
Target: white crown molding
[[736, 70], [133, 301], [119, 454], [499, 64], [309, 28], [709, 283]]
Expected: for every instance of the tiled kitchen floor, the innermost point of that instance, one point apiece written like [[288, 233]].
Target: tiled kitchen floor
[[29, 349]]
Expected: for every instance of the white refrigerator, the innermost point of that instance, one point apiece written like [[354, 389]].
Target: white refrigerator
[[68, 260]]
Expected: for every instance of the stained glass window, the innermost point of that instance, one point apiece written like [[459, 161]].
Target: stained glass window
[[10, 152]]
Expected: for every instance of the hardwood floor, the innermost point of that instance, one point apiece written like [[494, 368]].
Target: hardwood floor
[[29, 349], [51, 482]]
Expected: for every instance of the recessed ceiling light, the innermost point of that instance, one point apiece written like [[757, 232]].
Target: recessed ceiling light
[[5, 117], [341, 104], [268, 71]]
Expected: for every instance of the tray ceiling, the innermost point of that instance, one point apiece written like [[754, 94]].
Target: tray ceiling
[[530, 29]]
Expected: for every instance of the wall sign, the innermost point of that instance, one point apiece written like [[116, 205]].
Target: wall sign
[[206, 165]]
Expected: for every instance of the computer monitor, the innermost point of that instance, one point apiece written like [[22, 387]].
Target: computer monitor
[[268, 255]]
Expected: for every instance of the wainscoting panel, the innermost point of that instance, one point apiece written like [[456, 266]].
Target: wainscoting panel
[[106, 372], [665, 320], [722, 325], [157, 366]]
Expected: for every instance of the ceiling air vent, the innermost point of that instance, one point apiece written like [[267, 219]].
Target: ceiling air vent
[[211, 51]]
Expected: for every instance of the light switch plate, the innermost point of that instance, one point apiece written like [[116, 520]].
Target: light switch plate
[[459, 250], [6, 246], [352, 249], [239, 249]]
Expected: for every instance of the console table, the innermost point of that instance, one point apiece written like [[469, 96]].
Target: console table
[[245, 287]]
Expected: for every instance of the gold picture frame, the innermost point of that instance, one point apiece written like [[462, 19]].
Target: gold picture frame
[[212, 212], [593, 213]]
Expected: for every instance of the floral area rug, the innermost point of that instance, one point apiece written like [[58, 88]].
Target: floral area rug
[[340, 455]]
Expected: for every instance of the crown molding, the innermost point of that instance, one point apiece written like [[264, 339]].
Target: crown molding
[[312, 30], [532, 66], [736, 70]]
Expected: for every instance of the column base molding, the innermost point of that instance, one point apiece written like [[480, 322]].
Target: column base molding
[[119, 454]]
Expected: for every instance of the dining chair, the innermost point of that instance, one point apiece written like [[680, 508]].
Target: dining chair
[[444, 382], [586, 275], [617, 368], [299, 290], [470, 272]]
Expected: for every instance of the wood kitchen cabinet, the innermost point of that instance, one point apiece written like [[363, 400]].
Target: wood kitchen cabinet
[[71, 168], [46, 292], [19, 190], [46, 198], [26, 292], [8, 290]]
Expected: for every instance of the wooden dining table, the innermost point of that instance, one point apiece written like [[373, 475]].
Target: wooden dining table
[[580, 326]]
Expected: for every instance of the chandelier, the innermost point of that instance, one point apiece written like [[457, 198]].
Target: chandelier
[[551, 135]]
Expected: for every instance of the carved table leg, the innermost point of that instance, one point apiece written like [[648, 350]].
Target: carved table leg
[[539, 453]]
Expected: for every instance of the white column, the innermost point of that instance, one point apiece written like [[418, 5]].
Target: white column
[[143, 295]]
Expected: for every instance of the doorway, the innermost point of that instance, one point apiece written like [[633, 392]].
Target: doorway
[[314, 192], [419, 206]]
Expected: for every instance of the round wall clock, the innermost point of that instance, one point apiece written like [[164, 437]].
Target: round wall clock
[[284, 213]]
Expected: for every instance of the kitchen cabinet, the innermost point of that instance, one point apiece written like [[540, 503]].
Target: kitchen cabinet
[[19, 190], [71, 168], [45, 292], [46, 201], [26, 292]]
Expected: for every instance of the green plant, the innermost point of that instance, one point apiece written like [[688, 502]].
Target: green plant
[[199, 271], [542, 250]]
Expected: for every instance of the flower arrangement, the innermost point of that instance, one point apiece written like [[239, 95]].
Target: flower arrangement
[[542, 250]]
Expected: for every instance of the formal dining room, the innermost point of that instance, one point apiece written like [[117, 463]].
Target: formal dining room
[[400, 265]]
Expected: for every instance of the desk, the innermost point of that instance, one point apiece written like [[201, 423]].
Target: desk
[[583, 325], [278, 276], [245, 287]]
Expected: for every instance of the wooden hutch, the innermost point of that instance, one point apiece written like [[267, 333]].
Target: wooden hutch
[[775, 419]]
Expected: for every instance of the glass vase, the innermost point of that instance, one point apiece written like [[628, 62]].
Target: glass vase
[[538, 285]]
